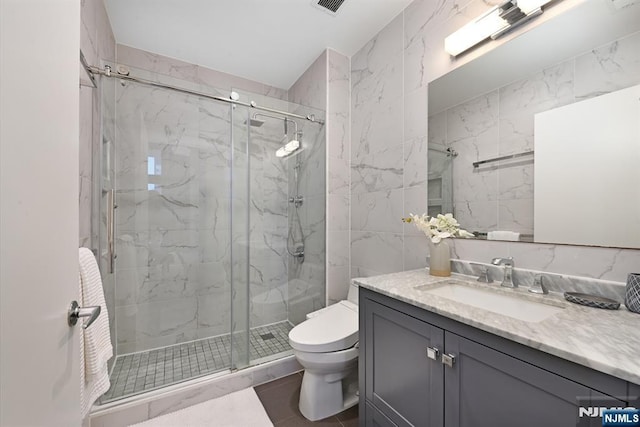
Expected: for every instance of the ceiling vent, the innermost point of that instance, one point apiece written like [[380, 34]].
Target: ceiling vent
[[330, 6]]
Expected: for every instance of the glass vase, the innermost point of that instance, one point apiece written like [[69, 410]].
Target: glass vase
[[439, 259]]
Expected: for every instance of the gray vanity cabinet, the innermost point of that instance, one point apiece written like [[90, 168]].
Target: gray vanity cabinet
[[487, 384], [403, 384], [487, 387]]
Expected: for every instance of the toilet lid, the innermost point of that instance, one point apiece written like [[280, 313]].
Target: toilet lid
[[332, 330]]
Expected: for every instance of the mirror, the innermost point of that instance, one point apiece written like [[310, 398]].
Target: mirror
[[487, 162]]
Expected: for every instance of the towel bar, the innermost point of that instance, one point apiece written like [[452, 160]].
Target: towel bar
[[76, 312]]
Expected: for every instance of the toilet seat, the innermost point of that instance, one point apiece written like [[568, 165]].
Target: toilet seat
[[334, 329]]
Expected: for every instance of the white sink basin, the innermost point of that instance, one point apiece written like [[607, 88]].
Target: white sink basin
[[490, 300]]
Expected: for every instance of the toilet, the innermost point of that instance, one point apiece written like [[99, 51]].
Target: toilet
[[326, 345]]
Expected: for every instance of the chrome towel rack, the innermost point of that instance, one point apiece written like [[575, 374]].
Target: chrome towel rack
[[507, 157]]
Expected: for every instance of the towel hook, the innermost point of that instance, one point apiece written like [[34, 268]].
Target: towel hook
[[76, 312]]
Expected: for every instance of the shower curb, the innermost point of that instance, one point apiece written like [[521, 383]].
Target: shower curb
[[150, 405]]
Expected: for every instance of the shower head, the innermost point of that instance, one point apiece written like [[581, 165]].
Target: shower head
[[288, 149]]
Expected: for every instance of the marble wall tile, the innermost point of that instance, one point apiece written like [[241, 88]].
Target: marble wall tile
[[88, 30], [415, 202], [376, 155], [415, 162], [339, 175], [214, 316], [338, 249], [379, 211], [307, 282], [608, 68], [176, 237], [477, 215], [104, 35], [97, 43], [338, 283], [380, 252], [515, 215], [338, 208], [515, 181], [550, 88], [338, 122], [494, 129], [311, 87], [415, 251], [376, 70], [304, 294], [144, 326], [156, 63], [415, 113], [437, 124], [363, 272], [612, 264]]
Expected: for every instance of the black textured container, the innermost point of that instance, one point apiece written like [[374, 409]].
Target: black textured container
[[632, 296]]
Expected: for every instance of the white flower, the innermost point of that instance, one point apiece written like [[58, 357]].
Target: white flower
[[440, 227]]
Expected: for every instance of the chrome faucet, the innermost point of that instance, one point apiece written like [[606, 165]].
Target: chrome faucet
[[507, 281], [538, 285], [484, 275]]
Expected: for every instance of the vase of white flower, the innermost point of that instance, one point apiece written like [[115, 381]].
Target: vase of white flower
[[439, 259], [438, 229]]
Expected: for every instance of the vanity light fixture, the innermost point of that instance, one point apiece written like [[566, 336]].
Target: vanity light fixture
[[493, 24]]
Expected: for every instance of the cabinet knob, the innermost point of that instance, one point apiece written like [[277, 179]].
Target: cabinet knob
[[433, 353], [448, 359]]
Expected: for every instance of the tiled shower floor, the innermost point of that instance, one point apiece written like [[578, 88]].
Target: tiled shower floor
[[140, 372]]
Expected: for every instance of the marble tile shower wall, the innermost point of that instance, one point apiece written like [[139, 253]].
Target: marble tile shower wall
[[173, 233], [501, 122], [268, 219], [307, 280], [389, 80], [97, 43], [173, 215], [339, 176]]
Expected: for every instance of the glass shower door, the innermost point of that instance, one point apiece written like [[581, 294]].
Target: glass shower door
[[240, 230], [172, 177]]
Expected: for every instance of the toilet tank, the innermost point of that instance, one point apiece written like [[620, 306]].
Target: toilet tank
[[353, 292]]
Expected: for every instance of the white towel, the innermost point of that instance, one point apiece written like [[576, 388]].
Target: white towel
[[95, 341], [503, 235]]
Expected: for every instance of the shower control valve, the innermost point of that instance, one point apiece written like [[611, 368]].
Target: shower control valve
[[297, 201]]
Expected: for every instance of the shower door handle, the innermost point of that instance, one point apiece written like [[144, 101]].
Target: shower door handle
[[111, 229], [76, 312]]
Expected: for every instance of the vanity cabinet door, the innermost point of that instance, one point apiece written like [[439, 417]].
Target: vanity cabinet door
[[402, 383], [487, 387]]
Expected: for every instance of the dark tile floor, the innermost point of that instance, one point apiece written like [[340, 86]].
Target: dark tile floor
[[280, 400]]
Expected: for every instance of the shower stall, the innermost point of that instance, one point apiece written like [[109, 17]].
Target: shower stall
[[212, 227], [440, 180]]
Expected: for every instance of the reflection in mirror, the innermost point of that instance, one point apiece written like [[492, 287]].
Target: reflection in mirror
[[486, 111], [440, 179]]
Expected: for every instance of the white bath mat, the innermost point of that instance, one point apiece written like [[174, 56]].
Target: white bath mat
[[239, 409]]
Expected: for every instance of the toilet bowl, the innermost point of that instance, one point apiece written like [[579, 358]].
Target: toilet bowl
[[326, 345]]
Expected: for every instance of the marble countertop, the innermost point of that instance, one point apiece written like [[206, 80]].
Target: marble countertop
[[604, 340]]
